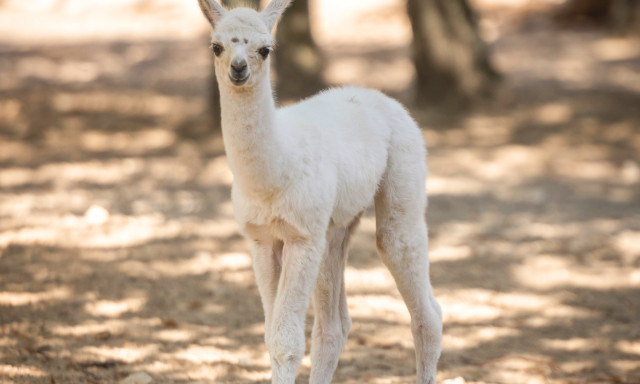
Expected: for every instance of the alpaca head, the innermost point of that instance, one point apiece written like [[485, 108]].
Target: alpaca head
[[241, 41]]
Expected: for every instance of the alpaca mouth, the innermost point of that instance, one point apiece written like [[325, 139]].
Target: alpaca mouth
[[239, 82]]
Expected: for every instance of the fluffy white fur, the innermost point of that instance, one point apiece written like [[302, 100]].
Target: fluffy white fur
[[303, 175]]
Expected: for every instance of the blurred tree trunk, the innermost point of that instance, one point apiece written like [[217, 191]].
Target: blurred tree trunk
[[214, 101], [625, 15], [620, 15], [298, 61], [452, 61]]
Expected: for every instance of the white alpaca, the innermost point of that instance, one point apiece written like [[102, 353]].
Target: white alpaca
[[303, 175]]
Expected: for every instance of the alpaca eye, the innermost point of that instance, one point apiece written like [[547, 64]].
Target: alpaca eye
[[264, 52], [217, 49]]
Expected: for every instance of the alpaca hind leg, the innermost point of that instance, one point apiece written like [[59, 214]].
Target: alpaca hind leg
[[332, 322], [406, 259], [300, 265], [402, 241]]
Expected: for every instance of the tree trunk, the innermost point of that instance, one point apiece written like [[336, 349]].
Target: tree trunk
[[452, 61], [298, 61], [624, 16], [619, 15], [214, 102]]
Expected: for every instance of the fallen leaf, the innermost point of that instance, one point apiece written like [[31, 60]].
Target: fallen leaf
[[169, 323]]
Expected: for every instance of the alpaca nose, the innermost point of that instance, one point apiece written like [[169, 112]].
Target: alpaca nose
[[239, 68]]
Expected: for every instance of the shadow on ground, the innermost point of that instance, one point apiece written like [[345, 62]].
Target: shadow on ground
[[119, 252]]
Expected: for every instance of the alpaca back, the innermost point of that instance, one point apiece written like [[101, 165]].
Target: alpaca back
[[344, 136]]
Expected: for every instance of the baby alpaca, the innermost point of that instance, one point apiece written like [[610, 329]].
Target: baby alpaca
[[303, 175]]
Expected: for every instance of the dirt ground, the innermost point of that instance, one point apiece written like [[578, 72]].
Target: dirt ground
[[119, 253]]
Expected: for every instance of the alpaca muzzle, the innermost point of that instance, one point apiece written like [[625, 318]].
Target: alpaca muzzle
[[239, 72]]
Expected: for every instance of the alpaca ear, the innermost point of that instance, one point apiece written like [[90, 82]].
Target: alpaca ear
[[212, 11], [273, 11]]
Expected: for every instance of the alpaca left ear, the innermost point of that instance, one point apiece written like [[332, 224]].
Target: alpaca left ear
[[273, 11]]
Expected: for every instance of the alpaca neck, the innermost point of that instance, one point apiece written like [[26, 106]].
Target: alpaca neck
[[250, 137]]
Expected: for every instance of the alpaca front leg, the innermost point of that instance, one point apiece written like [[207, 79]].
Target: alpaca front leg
[[331, 321], [300, 264], [266, 268]]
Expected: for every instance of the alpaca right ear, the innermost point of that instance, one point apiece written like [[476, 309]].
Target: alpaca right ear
[[273, 11], [212, 11]]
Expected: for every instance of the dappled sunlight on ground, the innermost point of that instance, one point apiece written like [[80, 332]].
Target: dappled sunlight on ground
[[119, 252]]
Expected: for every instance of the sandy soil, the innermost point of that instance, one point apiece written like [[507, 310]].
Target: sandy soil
[[119, 253]]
